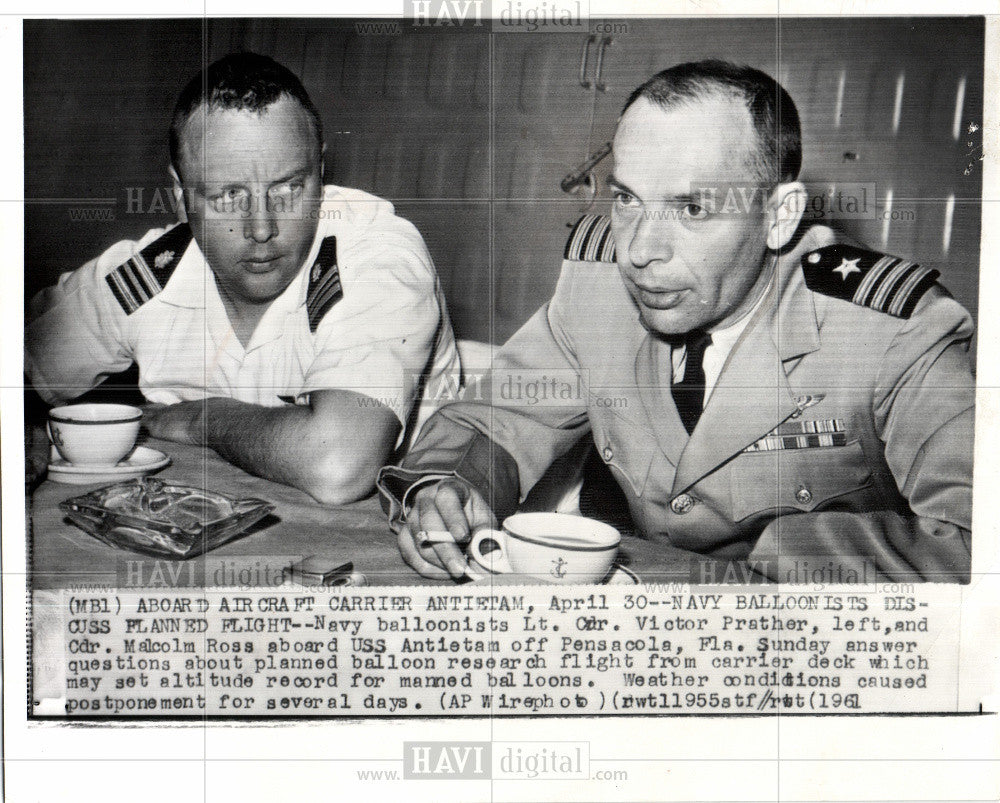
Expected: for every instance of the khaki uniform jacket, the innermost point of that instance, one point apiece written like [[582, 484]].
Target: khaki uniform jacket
[[837, 436]]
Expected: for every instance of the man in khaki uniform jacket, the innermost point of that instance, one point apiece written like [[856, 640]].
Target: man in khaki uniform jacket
[[836, 388]]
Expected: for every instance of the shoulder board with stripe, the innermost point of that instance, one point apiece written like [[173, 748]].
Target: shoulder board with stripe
[[868, 278], [324, 283], [591, 240], [143, 276]]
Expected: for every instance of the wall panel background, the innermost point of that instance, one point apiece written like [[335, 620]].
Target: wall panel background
[[470, 134]]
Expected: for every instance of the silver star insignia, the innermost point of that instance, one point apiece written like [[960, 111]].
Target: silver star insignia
[[317, 272], [847, 267], [164, 259]]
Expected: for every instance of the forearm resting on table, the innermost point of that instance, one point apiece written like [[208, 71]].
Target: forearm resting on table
[[331, 448]]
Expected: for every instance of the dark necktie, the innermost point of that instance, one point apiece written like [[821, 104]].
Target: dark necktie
[[689, 393]]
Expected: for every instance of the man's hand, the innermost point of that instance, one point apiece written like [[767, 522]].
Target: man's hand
[[175, 422], [449, 505]]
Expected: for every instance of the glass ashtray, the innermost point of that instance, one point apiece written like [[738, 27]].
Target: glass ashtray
[[160, 518]]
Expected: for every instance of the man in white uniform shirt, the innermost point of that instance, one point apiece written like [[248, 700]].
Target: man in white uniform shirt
[[285, 324]]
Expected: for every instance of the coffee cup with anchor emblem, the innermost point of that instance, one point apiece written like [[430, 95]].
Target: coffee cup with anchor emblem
[[552, 547]]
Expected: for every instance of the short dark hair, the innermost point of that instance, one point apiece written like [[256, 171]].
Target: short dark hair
[[243, 82], [778, 156]]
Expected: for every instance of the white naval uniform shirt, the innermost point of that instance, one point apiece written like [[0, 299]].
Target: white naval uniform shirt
[[388, 328]]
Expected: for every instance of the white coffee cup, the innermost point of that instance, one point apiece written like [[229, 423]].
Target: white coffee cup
[[94, 434], [555, 547]]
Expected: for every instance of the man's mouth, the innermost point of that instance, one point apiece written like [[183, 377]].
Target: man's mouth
[[657, 298], [260, 264]]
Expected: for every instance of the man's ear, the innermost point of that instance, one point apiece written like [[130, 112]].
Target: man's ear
[[178, 192], [788, 204]]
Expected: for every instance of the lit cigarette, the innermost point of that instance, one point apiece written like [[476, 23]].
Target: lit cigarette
[[428, 537]]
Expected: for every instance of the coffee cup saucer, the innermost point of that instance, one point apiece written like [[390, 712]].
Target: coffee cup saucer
[[621, 576], [142, 461], [618, 576]]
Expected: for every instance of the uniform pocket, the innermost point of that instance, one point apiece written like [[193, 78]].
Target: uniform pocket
[[797, 479], [627, 450]]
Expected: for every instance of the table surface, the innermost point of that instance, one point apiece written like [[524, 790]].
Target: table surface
[[62, 555]]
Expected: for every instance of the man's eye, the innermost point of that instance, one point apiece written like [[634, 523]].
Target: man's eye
[[695, 212], [288, 188], [624, 199], [229, 196]]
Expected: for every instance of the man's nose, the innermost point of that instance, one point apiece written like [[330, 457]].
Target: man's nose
[[260, 224], [650, 241]]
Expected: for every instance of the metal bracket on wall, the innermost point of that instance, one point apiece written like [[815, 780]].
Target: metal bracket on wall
[[584, 60], [599, 69], [598, 79], [581, 175]]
